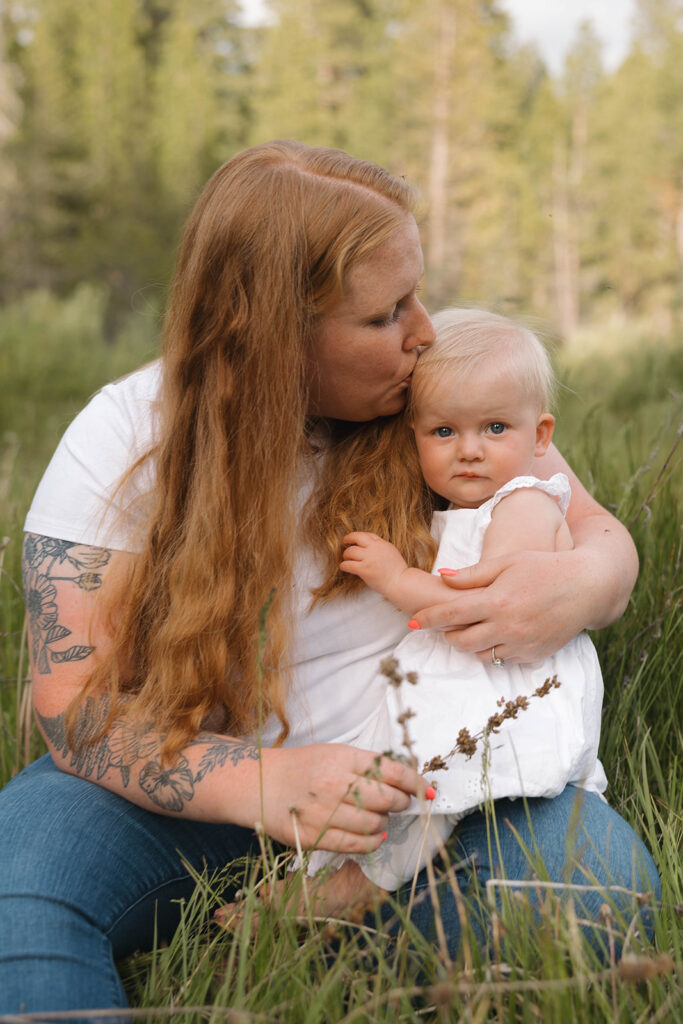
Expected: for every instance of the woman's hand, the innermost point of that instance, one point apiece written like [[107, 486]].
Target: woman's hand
[[526, 604], [331, 796], [529, 604]]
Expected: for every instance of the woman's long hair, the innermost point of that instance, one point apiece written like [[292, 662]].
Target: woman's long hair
[[370, 480], [264, 253]]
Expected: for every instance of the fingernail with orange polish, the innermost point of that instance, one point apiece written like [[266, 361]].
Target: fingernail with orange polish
[[413, 624], [447, 572], [430, 793], [384, 836]]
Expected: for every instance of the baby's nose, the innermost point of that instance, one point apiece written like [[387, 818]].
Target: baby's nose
[[469, 447]]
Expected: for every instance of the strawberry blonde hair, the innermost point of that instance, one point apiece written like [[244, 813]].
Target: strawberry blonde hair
[[265, 252]]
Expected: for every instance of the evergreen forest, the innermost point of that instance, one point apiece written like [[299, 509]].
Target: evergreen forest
[[559, 197]]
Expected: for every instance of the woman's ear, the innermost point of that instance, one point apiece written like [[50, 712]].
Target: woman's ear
[[544, 432]]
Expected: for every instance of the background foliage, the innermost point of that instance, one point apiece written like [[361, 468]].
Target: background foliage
[[562, 196]]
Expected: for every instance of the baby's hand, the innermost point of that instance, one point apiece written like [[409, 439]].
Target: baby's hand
[[376, 561]]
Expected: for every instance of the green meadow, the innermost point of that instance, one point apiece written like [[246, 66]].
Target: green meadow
[[619, 424]]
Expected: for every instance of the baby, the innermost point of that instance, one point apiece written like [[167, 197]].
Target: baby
[[479, 412]]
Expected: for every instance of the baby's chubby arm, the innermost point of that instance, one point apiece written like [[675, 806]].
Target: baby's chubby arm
[[526, 520], [382, 567]]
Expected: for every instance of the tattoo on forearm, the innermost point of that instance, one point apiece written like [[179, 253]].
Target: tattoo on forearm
[[47, 561], [134, 752]]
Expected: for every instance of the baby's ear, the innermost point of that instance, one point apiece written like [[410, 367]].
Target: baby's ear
[[544, 432]]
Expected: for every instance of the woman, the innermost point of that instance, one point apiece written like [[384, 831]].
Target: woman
[[293, 325]]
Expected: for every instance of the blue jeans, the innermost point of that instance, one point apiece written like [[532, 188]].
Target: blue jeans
[[86, 876]]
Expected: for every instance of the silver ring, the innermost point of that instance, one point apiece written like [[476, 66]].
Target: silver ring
[[494, 659]]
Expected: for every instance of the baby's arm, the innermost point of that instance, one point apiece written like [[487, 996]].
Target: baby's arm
[[526, 520], [382, 567]]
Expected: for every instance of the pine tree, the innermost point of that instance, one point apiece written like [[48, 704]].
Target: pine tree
[[582, 80], [197, 103], [129, 107], [81, 136], [323, 75], [453, 135], [660, 32]]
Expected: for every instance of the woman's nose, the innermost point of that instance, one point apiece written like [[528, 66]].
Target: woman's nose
[[420, 330]]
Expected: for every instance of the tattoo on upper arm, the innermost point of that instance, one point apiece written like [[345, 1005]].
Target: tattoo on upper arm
[[47, 561], [133, 751]]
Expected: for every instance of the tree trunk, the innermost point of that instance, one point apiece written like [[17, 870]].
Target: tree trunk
[[564, 247], [438, 167]]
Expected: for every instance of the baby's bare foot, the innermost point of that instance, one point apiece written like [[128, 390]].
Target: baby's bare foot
[[347, 893]]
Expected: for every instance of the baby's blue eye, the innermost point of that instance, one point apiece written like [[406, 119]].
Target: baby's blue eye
[[443, 432], [496, 428]]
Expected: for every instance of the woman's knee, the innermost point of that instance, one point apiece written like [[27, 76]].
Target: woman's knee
[[53, 958], [86, 876], [69, 841], [61, 835], [584, 840], [575, 847], [51, 833], [575, 838]]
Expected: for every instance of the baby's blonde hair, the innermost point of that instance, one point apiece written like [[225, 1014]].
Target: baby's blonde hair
[[466, 338]]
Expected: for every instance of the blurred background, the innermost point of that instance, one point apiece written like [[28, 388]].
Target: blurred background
[[552, 179]]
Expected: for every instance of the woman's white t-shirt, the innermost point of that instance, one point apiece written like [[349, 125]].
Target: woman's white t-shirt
[[336, 689]]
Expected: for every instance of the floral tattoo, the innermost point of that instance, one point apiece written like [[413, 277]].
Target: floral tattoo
[[97, 742], [133, 750], [48, 561]]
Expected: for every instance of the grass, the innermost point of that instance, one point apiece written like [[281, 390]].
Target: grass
[[618, 423]]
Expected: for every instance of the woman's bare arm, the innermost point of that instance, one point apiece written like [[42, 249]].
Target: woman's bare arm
[[331, 788], [606, 544], [530, 604]]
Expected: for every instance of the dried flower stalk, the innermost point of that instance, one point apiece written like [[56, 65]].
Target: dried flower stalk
[[466, 743]]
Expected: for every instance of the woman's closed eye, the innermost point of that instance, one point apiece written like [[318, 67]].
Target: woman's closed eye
[[393, 316], [386, 321]]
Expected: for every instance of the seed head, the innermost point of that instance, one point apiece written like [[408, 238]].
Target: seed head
[[389, 669], [437, 764], [466, 743]]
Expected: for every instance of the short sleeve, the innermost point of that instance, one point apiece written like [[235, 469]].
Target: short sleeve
[[557, 487], [79, 497]]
